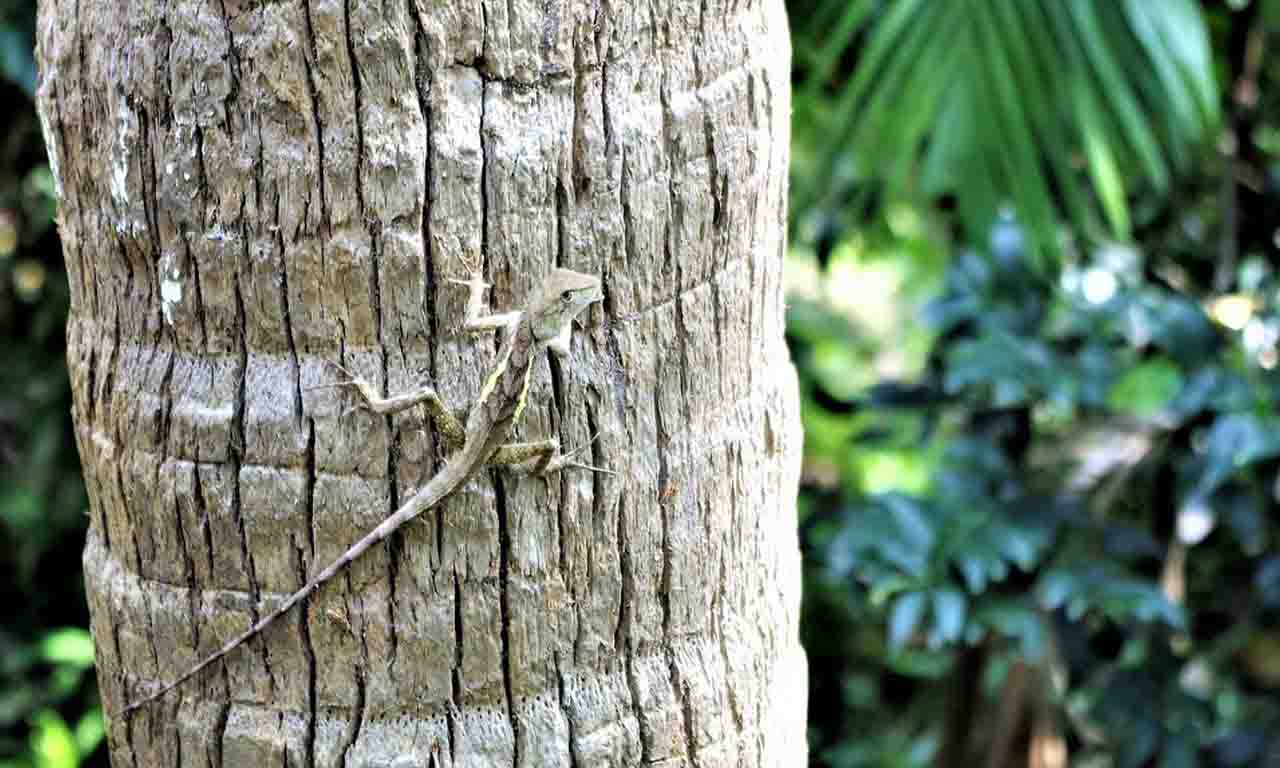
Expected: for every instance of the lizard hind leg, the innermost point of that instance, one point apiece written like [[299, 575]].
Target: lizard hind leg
[[541, 457], [520, 456]]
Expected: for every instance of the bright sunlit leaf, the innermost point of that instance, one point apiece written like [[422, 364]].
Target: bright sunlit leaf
[[52, 743], [72, 646], [1232, 310], [90, 730]]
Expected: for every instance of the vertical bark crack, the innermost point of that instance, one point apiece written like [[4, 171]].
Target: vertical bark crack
[[395, 544], [82, 75], [664, 593], [310, 62], [61, 167], [288, 321], [235, 456], [233, 88], [304, 631], [717, 323], [305, 563], [357, 97], [722, 598], [430, 325], [455, 692], [193, 593], [484, 183], [151, 212], [194, 265], [561, 696], [625, 637], [357, 719], [219, 734], [555, 408], [504, 610], [422, 88], [672, 228], [108, 385], [716, 181]]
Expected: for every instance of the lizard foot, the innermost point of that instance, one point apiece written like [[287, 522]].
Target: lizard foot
[[565, 460], [368, 396]]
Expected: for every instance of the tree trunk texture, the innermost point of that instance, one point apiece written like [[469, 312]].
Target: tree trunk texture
[[251, 191]]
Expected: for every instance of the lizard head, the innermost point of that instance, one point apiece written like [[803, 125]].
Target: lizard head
[[563, 296]]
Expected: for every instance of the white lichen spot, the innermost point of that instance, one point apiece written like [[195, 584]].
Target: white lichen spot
[[170, 286], [218, 234], [126, 134]]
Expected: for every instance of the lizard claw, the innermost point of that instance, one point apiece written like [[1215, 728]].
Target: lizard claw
[[564, 460], [582, 447], [476, 283], [471, 262], [366, 392], [350, 381], [588, 467], [330, 385], [339, 366]]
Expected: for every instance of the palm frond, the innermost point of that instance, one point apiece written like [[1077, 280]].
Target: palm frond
[[1060, 110]]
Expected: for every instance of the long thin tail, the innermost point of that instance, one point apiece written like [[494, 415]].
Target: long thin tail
[[439, 487]]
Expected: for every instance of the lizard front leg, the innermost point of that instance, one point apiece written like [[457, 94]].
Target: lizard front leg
[[559, 346], [446, 421], [475, 319], [450, 426]]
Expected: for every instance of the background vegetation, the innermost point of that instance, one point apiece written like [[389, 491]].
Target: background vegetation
[[49, 716], [1034, 305], [1034, 308]]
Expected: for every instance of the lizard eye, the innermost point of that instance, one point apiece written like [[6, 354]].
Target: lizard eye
[[566, 296]]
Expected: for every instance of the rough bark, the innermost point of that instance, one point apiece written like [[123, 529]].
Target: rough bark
[[251, 190]]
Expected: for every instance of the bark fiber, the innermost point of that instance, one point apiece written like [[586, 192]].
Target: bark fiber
[[251, 190]]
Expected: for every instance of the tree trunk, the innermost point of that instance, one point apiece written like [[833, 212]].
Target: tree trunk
[[252, 191]]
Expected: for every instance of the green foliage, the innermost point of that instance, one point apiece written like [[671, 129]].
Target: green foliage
[[17, 38], [1037, 539], [1076, 549], [1043, 103], [49, 716]]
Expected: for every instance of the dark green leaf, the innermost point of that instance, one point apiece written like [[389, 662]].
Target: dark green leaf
[[948, 614], [1147, 388], [908, 609]]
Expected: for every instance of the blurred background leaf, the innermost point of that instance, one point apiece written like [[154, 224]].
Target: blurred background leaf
[[48, 695], [1040, 104]]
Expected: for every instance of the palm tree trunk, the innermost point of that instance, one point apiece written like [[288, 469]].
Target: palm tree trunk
[[252, 191]]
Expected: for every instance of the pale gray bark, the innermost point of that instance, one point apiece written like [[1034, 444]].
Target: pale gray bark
[[251, 190]]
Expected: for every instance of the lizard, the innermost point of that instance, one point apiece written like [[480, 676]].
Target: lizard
[[475, 442]]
